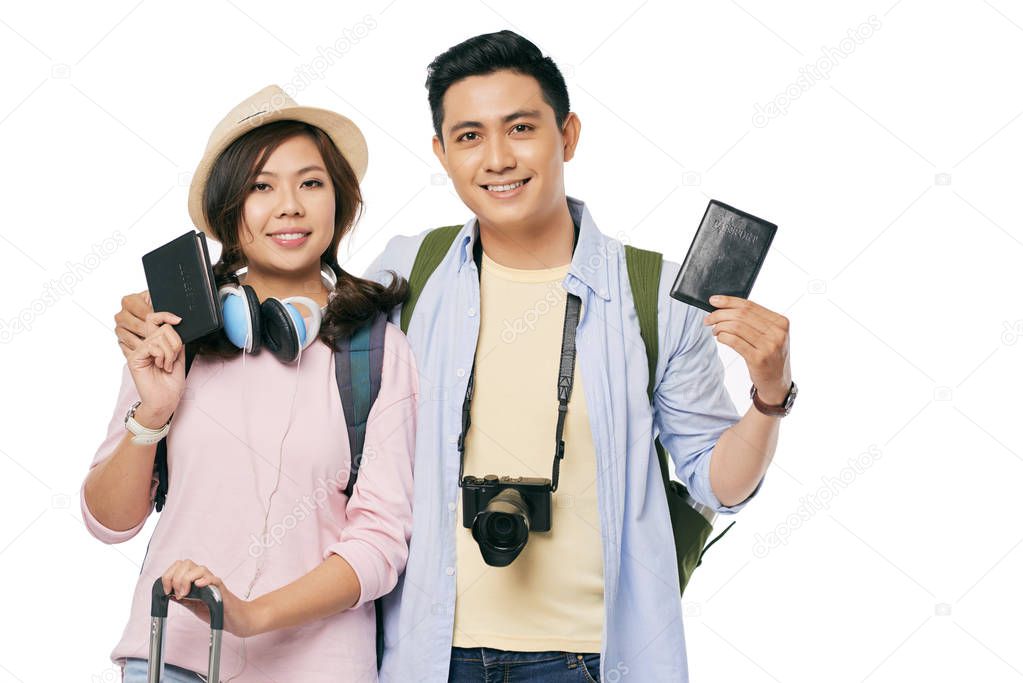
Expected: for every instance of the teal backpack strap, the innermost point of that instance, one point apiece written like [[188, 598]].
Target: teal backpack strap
[[358, 368], [688, 526], [431, 252]]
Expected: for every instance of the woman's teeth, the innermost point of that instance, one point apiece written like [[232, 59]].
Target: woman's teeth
[[289, 235], [505, 188]]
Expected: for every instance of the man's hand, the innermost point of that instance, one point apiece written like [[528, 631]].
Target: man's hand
[[131, 321], [761, 337]]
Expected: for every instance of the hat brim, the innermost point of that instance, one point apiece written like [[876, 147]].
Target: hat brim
[[341, 130]]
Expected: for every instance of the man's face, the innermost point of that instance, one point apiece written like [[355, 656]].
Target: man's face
[[503, 149]]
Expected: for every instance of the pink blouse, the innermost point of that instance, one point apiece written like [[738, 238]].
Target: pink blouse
[[228, 437]]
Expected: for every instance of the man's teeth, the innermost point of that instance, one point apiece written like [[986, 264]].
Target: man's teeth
[[290, 235], [504, 188]]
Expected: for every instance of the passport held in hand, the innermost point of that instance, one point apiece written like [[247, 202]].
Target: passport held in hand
[[180, 280], [725, 256]]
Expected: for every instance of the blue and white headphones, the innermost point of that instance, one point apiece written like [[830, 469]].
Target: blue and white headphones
[[275, 323]]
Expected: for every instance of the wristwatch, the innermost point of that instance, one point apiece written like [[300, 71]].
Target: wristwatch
[[774, 411], [143, 435]]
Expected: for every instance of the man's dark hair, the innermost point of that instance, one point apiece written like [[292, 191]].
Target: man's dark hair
[[490, 52]]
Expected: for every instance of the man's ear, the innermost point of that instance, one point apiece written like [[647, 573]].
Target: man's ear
[[442, 157], [570, 134]]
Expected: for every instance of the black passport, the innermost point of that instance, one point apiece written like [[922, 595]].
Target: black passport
[[181, 281], [725, 256]]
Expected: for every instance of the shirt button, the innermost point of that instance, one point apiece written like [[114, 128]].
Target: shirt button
[[460, 372], [452, 506], [472, 312], [450, 571], [452, 439]]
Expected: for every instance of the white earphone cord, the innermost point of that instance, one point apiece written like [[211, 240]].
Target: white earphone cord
[[269, 502]]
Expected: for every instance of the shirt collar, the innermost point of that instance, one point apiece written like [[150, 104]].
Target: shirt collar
[[589, 262]]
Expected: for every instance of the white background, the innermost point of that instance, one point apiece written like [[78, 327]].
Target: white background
[[895, 183]]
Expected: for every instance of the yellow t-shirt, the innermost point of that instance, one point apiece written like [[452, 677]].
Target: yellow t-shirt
[[551, 597]]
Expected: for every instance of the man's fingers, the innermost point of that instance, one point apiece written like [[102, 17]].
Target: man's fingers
[[741, 346], [746, 332], [738, 303]]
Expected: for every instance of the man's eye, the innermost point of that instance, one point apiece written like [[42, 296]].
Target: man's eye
[[521, 128], [465, 136]]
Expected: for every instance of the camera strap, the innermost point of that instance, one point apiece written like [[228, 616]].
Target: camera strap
[[566, 374]]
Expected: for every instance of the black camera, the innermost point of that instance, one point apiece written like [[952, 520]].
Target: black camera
[[501, 511]]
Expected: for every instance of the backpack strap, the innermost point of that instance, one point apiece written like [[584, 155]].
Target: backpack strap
[[431, 252], [644, 268], [358, 367], [160, 470]]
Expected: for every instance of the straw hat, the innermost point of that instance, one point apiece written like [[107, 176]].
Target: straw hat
[[266, 106]]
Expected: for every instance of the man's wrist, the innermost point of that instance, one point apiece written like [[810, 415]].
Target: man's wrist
[[774, 397]]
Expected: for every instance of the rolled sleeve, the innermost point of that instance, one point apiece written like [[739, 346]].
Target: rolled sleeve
[[692, 408], [701, 490], [375, 538], [106, 534]]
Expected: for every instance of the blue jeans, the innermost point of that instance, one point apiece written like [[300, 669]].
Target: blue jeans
[[486, 665], [135, 671]]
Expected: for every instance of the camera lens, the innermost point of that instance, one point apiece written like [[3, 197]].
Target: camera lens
[[502, 529]]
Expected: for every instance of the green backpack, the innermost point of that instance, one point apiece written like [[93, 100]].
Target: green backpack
[[689, 527]]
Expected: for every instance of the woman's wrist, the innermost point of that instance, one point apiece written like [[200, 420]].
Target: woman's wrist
[[259, 615], [151, 418]]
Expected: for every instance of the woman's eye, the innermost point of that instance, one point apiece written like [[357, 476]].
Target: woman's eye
[[315, 183], [259, 187]]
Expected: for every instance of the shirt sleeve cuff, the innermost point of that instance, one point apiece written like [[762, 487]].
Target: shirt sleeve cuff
[[704, 493], [365, 562], [103, 533]]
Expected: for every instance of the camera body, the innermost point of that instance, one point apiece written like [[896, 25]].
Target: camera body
[[477, 492]]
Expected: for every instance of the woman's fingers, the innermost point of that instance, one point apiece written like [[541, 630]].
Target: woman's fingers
[[168, 577], [181, 582], [131, 317], [153, 321]]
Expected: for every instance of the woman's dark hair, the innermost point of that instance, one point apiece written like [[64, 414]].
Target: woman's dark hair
[[357, 300], [490, 52]]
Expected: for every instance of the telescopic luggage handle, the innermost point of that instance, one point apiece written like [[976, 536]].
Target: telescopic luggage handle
[[210, 595]]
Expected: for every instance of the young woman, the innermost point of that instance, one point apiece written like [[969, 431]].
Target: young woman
[[258, 450]]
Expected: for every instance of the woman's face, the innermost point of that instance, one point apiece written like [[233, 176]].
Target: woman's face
[[288, 216]]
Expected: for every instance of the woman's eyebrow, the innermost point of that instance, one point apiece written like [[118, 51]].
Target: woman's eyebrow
[[299, 172]]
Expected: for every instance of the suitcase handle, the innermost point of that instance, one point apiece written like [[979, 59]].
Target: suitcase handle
[[211, 597], [207, 594]]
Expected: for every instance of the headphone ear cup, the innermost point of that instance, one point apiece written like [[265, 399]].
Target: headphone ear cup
[[280, 334], [255, 315], [240, 308]]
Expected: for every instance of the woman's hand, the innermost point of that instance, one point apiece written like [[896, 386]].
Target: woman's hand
[[131, 321], [241, 617], [158, 367]]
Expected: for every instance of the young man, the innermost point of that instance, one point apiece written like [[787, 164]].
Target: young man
[[599, 592]]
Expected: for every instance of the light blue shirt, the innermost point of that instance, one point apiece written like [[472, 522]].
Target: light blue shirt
[[643, 635]]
